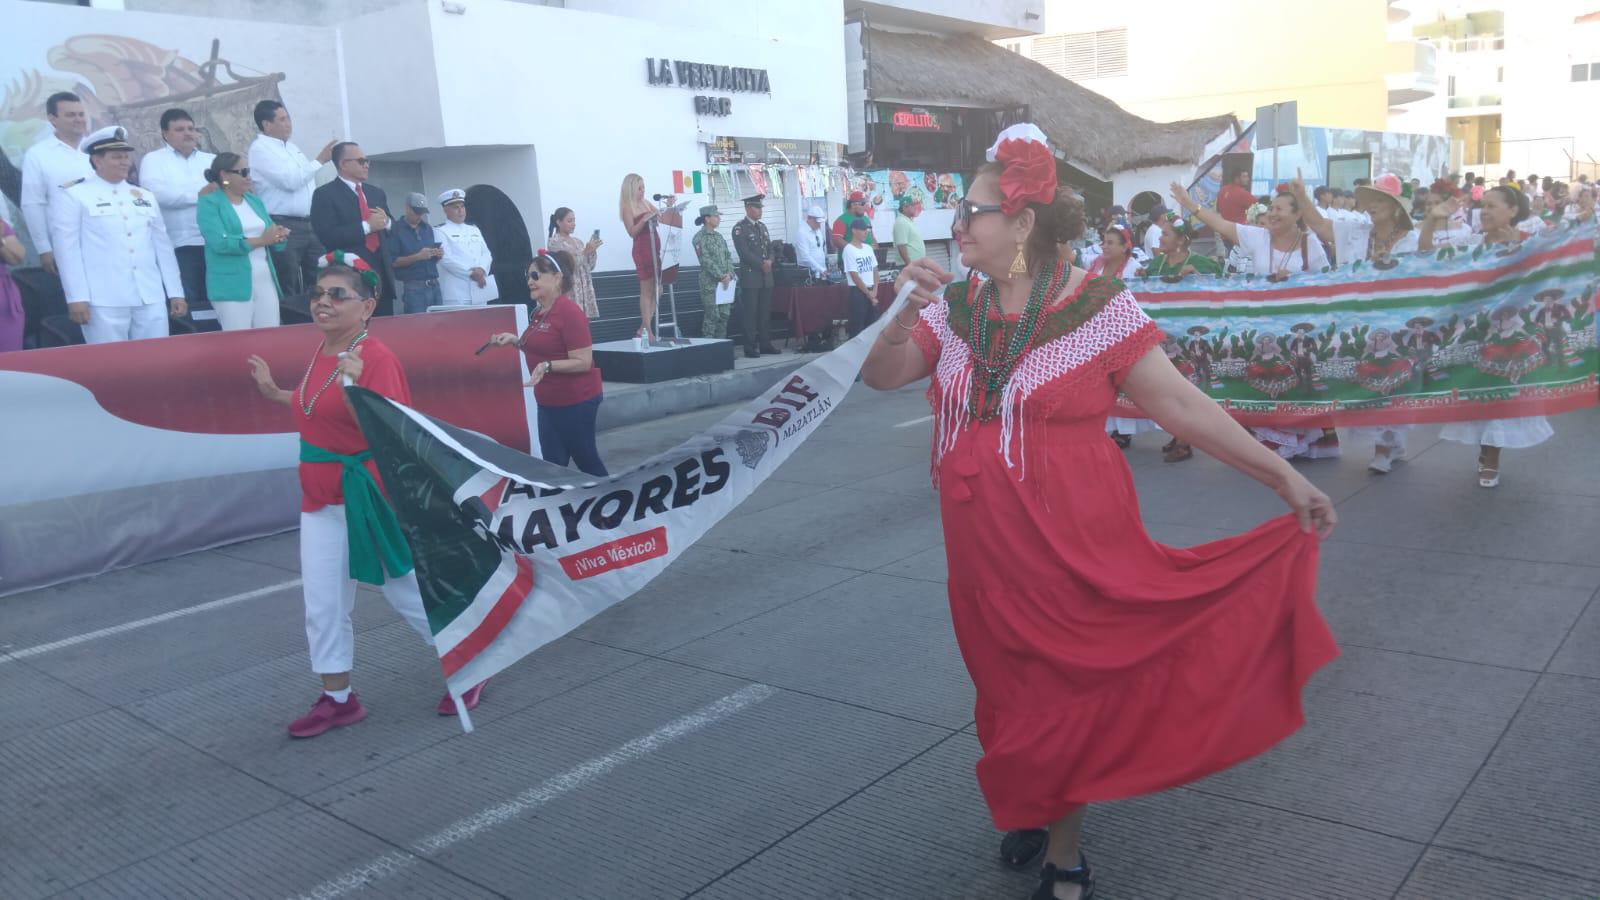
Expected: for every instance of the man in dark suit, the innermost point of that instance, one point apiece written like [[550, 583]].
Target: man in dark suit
[[350, 215]]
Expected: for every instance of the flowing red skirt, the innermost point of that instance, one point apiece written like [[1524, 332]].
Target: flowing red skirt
[[1108, 665]]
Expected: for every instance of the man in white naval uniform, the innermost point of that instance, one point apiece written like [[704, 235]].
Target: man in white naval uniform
[[51, 165], [116, 262], [466, 261]]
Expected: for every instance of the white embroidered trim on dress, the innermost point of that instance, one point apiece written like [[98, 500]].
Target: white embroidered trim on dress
[[1118, 320]]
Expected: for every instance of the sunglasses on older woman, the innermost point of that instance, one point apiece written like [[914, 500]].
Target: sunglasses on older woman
[[966, 210]]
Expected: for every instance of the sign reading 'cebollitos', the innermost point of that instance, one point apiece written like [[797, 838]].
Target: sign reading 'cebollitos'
[[708, 77]]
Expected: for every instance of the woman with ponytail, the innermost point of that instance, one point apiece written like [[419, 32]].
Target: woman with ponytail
[[563, 222], [240, 280]]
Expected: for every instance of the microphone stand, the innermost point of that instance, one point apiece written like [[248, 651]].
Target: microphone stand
[[672, 293]]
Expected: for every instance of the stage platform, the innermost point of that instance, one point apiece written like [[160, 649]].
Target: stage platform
[[624, 361]]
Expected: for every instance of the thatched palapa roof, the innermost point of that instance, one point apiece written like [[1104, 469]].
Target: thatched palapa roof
[[1083, 126]]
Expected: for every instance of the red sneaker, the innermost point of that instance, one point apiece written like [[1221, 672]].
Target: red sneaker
[[447, 707], [326, 714]]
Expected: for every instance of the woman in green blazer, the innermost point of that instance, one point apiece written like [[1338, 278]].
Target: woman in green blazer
[[241, 282]]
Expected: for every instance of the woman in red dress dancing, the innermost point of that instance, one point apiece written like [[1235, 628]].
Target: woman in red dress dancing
[[1106, 665]]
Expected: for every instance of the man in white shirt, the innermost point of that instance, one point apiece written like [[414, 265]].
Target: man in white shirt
[[176, 173], [51, 165], [861, 270], [284, 179], [811, 247], [117, 268]]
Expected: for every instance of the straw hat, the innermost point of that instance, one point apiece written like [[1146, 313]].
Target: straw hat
[[1384, 194]]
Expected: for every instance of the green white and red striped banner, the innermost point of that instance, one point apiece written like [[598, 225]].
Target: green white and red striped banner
[[1484, 333]]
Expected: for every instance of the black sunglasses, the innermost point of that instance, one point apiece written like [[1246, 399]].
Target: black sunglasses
[[966, 211], [243, 173], [337, 293]]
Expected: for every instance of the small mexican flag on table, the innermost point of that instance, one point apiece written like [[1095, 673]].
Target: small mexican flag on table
[[687, 182]]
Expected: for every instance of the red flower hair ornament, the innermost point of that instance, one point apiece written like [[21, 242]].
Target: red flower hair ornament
[[1030, 168]]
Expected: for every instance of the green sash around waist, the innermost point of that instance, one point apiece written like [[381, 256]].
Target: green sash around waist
[[376, 544]]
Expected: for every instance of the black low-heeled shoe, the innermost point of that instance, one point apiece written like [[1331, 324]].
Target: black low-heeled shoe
[[1050, 876], [1019, 849]]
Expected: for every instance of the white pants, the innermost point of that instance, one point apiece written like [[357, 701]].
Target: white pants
[[109, 324], [239, 314], [331, 593]]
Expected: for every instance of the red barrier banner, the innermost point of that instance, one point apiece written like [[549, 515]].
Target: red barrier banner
[[117, 454]]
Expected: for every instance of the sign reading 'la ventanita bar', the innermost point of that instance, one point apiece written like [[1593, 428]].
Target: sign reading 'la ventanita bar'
[[704, 76]]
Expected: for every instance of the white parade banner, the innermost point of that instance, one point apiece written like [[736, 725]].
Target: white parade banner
[[513, 552]]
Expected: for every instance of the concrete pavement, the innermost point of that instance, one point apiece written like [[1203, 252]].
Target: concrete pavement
[[783, 714]]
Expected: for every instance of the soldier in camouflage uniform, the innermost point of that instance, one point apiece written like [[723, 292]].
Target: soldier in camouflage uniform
[[754, 247], [716, 268]]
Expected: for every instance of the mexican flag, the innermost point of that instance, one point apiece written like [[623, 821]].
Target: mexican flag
[[512, 552], [687, 182]]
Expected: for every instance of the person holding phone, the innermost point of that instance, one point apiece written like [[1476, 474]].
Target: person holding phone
[[562, 236], [416, 253], [464, 268]]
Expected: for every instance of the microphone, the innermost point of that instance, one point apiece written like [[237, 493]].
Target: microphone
[[658, 197]]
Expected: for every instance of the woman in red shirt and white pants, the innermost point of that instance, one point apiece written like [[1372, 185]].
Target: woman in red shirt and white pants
[[560, 355], [347, 530]]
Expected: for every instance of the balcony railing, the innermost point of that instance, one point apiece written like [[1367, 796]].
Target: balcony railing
[[1478, 44], [1475, 101]]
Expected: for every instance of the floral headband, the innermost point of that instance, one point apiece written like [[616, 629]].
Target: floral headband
[[1179, 223], [546, 255], [352, 261], [1030, 168]]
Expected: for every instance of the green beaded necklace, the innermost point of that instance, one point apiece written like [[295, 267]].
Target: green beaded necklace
[[995, 361]]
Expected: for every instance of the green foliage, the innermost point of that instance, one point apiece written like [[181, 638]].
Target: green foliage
[[1354, 342]]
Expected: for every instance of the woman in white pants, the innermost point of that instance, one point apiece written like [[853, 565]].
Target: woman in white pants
[[348, 533], [241, 281]]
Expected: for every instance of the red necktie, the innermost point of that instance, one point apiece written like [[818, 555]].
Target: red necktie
[[372, 238]]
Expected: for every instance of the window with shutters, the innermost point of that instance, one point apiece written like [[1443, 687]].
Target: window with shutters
[[1084, 55]]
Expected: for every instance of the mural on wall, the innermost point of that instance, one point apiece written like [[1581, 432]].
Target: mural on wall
[[884, 187], [129, 67]]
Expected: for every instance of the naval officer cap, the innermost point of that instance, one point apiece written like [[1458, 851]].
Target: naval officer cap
[[754, 199], [111, 137], [454, 195]]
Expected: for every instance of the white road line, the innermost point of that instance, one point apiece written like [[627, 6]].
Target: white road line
[[572, 779], [40, 649], [915, 422]]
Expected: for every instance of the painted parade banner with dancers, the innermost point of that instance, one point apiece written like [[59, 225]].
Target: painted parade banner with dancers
[[512, 552], [117, 454], [1441, 337]]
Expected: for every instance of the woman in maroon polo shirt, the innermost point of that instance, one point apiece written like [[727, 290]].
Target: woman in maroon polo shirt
[[560, 355]]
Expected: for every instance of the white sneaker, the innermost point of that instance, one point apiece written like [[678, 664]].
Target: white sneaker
[[1381, 463]]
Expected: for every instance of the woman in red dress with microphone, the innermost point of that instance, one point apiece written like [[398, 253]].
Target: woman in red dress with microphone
[[1106, 665]]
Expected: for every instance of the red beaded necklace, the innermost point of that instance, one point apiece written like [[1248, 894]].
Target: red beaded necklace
[[995, 354]]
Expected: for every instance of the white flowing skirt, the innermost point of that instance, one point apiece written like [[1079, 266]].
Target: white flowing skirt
[[1510, 434]]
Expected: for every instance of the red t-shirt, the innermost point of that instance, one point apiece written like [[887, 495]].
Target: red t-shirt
[[554, 335], [1233, 202], [331, 425]]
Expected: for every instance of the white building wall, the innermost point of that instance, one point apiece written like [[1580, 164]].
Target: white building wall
[[573, 85], [1546, 116]]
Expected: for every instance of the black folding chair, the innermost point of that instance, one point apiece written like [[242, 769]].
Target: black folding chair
[[42, 297], [59, 331]]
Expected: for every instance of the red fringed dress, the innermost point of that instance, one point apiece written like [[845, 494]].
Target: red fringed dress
[[1106, 665]]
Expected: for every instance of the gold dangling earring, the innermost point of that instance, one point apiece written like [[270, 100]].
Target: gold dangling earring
[[1019, 266]]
